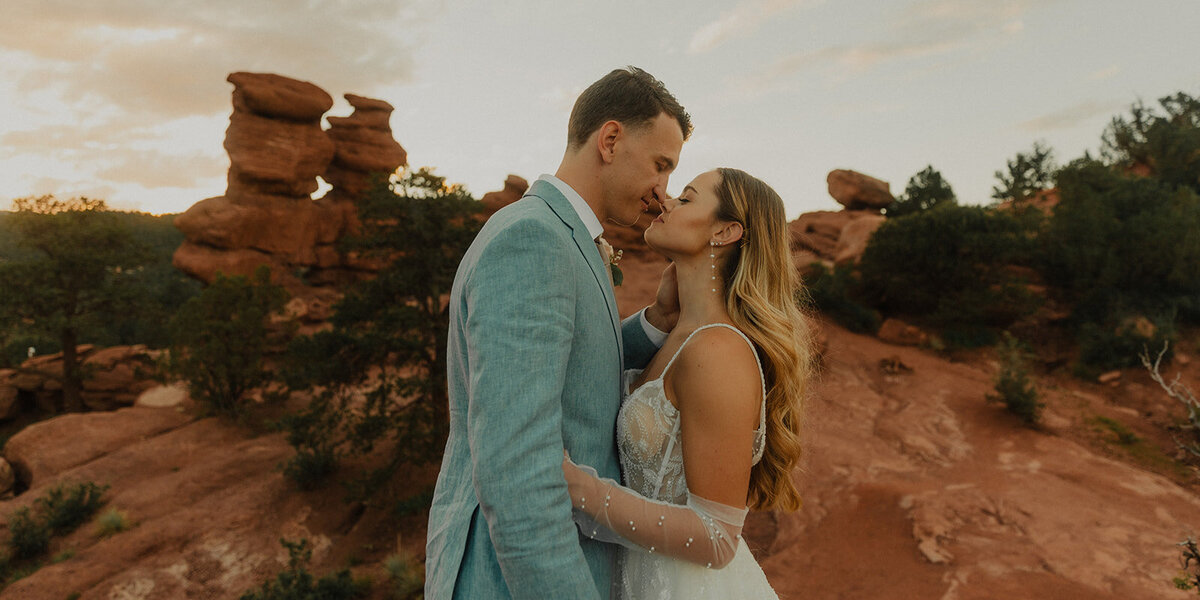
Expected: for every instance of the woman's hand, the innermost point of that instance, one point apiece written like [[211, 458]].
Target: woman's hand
[[578, 481], [664, 313]]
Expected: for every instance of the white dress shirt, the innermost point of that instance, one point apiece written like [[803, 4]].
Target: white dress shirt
[[595, 230]]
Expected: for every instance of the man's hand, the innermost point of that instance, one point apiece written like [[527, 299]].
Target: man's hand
[[664, 313]]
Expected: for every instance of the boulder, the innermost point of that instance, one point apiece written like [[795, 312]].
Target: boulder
[[857, 191], [852, 241], [279, 97], [163, 396], [47, 448], [274, 156], [514, 188], [8, 479], [363, 146], [895, 331], [9, 396]]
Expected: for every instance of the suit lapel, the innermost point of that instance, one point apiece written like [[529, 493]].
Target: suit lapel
[[587, 246]]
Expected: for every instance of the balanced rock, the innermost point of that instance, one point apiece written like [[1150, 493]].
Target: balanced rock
[[277, 150], [363, 145], [856, 191]]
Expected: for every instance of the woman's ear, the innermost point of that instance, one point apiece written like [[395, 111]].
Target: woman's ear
[[606, 140], [729, 233]]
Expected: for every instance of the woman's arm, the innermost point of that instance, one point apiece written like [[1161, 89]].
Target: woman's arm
[[717, 384]]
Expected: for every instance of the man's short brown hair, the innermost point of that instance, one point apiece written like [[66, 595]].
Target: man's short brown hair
[[629, 96]]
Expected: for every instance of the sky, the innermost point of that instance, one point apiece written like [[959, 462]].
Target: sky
[[126, 100]]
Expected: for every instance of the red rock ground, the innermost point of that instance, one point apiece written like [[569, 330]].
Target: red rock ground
[[915, 487]]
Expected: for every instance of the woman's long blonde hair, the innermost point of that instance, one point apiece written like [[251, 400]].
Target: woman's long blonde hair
[[762, 288]]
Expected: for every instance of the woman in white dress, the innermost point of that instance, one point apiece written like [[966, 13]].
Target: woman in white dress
[[711, 427]]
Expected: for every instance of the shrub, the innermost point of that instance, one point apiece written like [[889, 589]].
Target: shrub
[[1189, 575], [831, 293], [1013, 385], [111, 521], [220, 339], [950, 266], [296, 583], [28, 536], [1122, 246], [64, 508], [407, 578]]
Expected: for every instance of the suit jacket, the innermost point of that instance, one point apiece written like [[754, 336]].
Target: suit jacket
[[535, 355]]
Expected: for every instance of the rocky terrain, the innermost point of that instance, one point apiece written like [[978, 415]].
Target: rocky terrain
[[914, 487]]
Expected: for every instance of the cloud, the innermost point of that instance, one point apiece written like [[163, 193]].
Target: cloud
[[129, 96], [1071, 116], [158, 170], [170, 58], [1105, 73], [923, 29], [740, 21]]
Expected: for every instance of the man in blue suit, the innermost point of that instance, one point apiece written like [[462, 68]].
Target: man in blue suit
[[536, 352]]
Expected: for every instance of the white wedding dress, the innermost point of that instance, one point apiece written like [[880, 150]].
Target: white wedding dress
[[688, 547]]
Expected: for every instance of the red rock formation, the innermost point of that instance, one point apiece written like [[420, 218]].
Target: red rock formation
[[119, 375], [856, 191], [514, 188], [277, 150]]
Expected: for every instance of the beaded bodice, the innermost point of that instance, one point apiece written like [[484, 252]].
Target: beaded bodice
[[649, 438]]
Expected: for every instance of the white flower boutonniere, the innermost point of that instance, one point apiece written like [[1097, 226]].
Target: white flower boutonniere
[[614, 257]]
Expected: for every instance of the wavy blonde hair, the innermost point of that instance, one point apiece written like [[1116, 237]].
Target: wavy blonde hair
[[762, 289]]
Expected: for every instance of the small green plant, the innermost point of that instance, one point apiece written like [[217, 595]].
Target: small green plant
[[28, 536], [1013, 384], [1125, 437], [296, 583], [63, 556], [1189, 574], [407, 578], [65, 508], [110, 522]]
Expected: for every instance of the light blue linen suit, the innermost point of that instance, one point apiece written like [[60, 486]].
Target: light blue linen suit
[[535, 355]]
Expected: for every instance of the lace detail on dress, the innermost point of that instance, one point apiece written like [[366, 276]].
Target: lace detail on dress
[[648, 433]]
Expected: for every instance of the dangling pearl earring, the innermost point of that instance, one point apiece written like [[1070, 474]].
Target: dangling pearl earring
[[712, 254]]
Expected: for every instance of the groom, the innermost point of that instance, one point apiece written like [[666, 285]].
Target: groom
[[536, 352]]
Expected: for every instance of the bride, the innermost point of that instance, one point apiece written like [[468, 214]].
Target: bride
[[711, 427]]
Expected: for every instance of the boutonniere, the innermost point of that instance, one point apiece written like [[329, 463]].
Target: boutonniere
[[613, 259]]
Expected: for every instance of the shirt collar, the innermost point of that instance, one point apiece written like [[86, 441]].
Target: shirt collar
[[590, 221]]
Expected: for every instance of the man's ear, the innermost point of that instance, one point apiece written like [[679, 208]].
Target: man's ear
[[729, 233], [606, 140]]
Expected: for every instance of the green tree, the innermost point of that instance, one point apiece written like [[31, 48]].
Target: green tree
[[1027, 174], [220, 339], [1122, 246], [74, 263], [1165, 145], [379, 375], [925, 190]]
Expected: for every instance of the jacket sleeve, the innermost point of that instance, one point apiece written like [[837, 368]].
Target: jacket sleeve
[[639, 349], [520, 304]]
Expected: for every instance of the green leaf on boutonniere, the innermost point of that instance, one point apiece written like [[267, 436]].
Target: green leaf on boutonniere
[[617, 275]]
